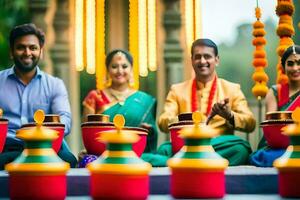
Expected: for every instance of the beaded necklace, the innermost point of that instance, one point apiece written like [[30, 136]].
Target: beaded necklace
[[210, 97], [120, 96]]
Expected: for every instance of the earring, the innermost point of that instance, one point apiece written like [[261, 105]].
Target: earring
[[108, 81], [131, 81]]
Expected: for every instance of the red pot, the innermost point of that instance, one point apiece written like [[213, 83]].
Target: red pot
[[273, 133], [119, 186], [37, 187], [197, 184], [176, 141], [91, 131], [60, 128], [289, 182], [3, 132]]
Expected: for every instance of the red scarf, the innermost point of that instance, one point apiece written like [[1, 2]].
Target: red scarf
[[210, 98]]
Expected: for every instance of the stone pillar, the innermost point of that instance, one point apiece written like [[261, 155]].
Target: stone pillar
[[172, 50], [61, 56], [42, 13]]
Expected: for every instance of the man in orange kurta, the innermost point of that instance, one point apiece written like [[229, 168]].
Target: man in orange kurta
[[212, 96]]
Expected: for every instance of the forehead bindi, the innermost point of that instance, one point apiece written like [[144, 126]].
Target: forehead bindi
[[120, 56]]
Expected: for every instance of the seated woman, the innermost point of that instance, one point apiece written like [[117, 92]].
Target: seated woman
[[288, 100], [138, 108]]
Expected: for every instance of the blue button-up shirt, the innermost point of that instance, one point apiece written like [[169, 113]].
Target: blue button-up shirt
[[19, 101]]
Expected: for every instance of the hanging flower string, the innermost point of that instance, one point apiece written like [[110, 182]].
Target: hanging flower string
[[260, 88], [285, 30]]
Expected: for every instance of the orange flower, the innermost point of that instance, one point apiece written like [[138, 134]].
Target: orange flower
[[260, 75], [286, 41], [285, 30], [282, 78], [280, 50], [259, 41], [260, 62], [259, 32], [285, 19], [257, 13], [285, 7], [258, 24], [260, 89], [259, 53]]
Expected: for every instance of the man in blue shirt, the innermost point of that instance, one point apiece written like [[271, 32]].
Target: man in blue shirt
[[25, 88]]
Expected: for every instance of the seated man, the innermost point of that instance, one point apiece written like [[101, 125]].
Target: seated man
[[25, 89], [221, 101], [281, 97]]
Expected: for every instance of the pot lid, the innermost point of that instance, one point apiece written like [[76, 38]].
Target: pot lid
[[199, 129], [119, 135], [38, 132]]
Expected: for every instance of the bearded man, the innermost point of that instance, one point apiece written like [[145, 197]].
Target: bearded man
[[25, 88]]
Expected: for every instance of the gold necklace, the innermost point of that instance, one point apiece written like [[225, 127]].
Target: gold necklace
[[120, 96]]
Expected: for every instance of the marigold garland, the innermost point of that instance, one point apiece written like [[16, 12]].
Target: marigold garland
[[285, 30], [260, 88], [259, 41]]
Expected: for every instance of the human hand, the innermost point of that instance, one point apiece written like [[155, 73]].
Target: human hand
[[221, 108]]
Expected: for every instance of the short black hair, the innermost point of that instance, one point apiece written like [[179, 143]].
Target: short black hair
[[288, 52], [205, 42], [26, 29], [111, 54]]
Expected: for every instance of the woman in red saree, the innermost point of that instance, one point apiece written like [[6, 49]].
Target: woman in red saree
[[281, 97], [138, 108]]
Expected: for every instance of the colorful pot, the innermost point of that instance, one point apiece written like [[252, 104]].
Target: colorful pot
[[272, 128], [3, 130], [197, 171], [92, 130], [288, 164], [177, 141], [119, 173], [52, 121], [38, 173]]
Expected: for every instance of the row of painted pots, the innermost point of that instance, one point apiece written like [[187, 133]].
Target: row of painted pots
[[98, 123], [51, 121], [38, 173], [271, 126]]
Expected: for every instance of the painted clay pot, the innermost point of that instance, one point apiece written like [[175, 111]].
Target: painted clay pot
[[185, 120], [98, 123], [176, 141], [119, 173], [52, 121], [3, 131], [38, 173], [272, 128], [288, 164], [197, 171]]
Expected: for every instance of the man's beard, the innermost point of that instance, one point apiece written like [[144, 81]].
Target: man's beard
[[26, 68]]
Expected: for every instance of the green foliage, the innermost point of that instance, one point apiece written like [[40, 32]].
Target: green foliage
[[148, 84], [236, 60], [87, 83], [12, 13], [296, 19]]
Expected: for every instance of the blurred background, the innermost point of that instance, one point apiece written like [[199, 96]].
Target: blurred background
[[228, 23]]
